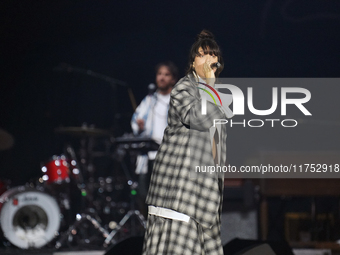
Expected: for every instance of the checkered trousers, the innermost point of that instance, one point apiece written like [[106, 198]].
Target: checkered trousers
[[172, 237]]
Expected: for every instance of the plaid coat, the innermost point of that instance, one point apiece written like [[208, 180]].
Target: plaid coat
[[186, 142]]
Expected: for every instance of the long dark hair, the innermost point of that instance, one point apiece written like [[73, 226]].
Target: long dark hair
[[206, 40]]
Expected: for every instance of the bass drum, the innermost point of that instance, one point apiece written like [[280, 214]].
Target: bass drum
[[29, 218]]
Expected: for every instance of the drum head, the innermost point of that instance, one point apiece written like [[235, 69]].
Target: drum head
[[29, 218]]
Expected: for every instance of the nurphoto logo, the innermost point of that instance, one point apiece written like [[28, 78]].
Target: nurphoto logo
[[220, 98]]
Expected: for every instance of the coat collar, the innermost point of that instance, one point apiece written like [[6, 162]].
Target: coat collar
[[192, 79]]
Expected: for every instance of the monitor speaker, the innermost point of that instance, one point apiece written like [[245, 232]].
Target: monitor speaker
[[253, 247], [132, 245]]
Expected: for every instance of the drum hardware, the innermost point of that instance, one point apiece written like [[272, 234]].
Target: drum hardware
[[80, 219], [88, 214], [63, 193], [142, 145], [59, 175], [128, 215], [75, 169], [85, 214], [62, 178], [86, 135], [91, 216]]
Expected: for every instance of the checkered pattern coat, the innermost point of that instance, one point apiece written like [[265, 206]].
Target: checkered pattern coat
[[187, 139]]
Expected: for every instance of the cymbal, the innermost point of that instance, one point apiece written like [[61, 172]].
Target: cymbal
[[82, 131], [6, 140]]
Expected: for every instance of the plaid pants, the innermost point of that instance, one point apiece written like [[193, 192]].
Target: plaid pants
[[172, 237]]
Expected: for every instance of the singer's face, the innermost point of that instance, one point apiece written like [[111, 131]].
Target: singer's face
[[164, 78], [201, 59]]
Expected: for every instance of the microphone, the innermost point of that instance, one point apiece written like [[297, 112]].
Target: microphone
[[215, 65], [152, 88]]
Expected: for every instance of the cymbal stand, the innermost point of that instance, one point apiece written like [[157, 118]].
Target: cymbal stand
[[87, 167], [132, 212], [128, 215], [80, 218], [88, 214]]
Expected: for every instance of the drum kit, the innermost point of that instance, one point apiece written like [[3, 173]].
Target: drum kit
[[68, 205]]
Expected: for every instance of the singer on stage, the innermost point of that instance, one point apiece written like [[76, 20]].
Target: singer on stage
[[185, 212]]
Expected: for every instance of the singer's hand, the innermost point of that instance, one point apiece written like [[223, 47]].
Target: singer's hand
[[140, 123], [209, 72]]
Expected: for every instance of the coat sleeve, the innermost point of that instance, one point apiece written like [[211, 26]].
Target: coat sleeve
[[187, 103]]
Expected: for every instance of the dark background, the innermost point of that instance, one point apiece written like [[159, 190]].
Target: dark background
[[126, 39]]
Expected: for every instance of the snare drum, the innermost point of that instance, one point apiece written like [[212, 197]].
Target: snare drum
[[29, 218], [56, 170]]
